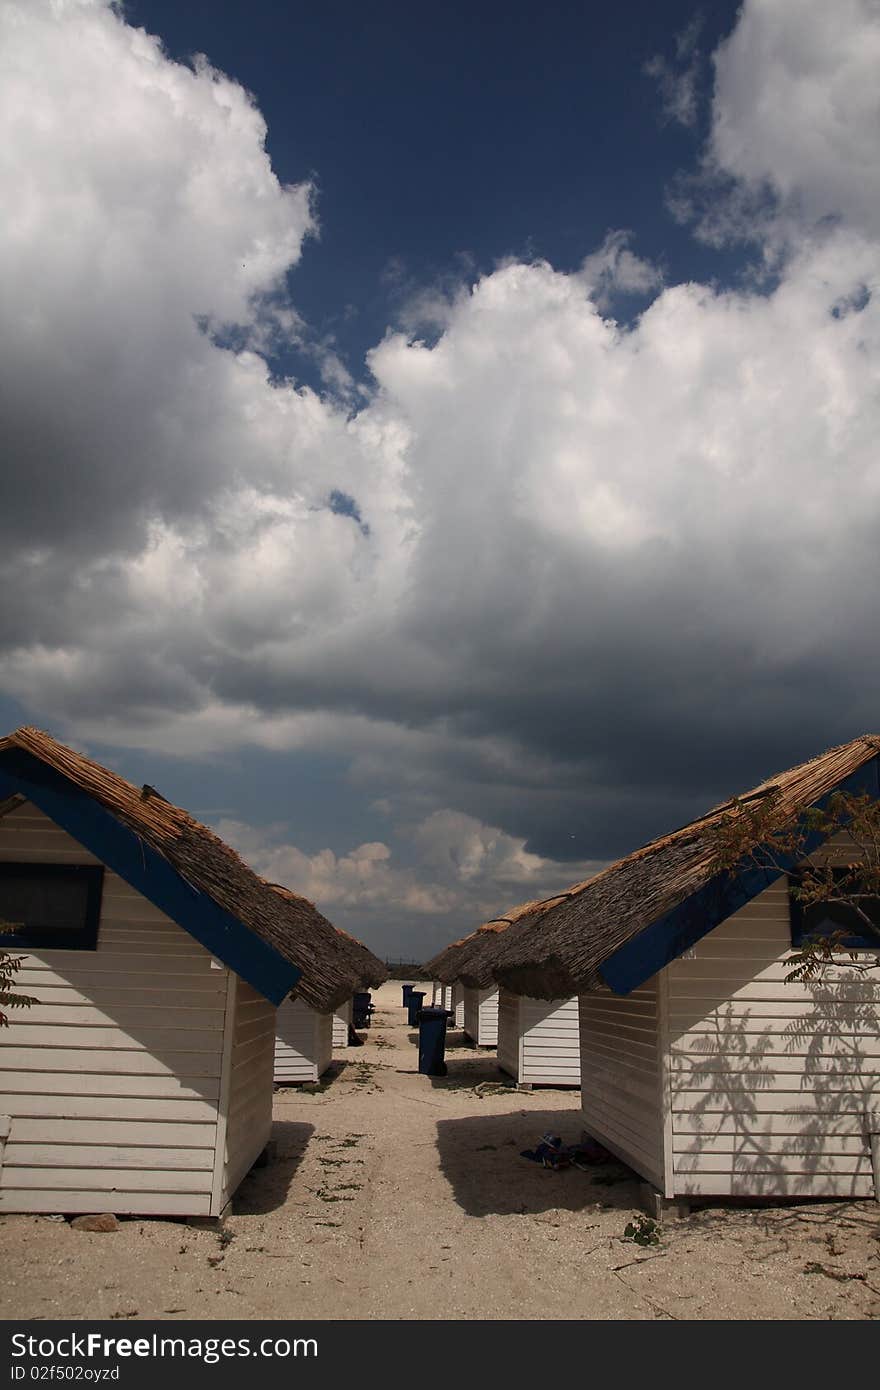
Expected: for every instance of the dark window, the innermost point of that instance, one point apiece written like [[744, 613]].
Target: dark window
[[821, 919], [55, 906]]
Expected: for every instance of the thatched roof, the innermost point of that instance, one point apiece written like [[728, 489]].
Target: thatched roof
[[290, 925], [470, 959], [368, 971], [561, 951]]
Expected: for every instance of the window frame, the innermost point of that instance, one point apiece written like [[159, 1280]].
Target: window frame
[[81, 938], [801, 933]]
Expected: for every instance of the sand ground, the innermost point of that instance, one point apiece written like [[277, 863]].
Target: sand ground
[[394, 1195]]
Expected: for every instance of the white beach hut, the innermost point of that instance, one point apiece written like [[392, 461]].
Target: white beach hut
[[305, 1037], [481, 1015], [303, 1043], [702, 1066], [458, 1004], [341, 1021], [539, 1040], [140, 1081]]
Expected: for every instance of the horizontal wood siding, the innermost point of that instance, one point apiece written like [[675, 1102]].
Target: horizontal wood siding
[[111, 1081], [550, 1042], [769, 1082], [481, 1016], [303, 1042], [249, 1107], [509, 1034], [341, 1020], [621, 1076], [458, 1004]]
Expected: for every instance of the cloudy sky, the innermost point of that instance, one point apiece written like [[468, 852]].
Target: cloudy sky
[[440, 444]]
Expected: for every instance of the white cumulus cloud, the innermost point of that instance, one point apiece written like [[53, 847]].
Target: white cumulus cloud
[[566, 558]]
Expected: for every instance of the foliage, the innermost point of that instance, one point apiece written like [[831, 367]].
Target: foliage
[[758, 832], [643, 1230], [9, 968]]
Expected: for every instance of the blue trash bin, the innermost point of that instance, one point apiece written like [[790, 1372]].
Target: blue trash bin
[[432, 1041], [415, 1003], [361, 1008], [407, 991]]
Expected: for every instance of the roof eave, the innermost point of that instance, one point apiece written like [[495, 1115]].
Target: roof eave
[[129, 856], [664, 939]]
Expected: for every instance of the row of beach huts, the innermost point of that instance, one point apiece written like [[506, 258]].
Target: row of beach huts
[[174, 987], [537, 1040], [661, 986]]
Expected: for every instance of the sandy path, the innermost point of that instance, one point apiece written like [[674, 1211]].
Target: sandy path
[[395, 1196]]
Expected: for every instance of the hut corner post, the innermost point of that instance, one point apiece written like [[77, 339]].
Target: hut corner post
[[873, 1127]]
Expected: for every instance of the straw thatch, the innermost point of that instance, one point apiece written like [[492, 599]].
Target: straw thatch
[[560, 952], [368, 971], [289, 924], [470, 959]]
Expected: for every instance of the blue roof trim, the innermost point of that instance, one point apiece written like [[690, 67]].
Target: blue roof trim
[[670, 935], [146, 870]]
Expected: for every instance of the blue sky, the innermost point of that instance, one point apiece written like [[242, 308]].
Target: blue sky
[[440, 444], [444, 140]]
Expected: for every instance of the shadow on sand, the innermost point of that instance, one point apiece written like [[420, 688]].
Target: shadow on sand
[[481, 1160], [265, 1189], [472, 1069]]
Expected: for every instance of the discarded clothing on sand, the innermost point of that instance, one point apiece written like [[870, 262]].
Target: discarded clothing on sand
[[552, 1153]]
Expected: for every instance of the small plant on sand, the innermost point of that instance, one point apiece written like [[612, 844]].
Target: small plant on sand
[[643, 1230]]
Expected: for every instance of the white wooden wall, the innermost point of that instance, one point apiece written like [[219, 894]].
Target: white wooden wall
[[247, 1090], [341, 1020], [769, 1082], [481, 1016], [539, 1040], [111, 1083], [458, 1004], [550, 1042], [621, 1076], [303, 1042], [509, 1034]]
